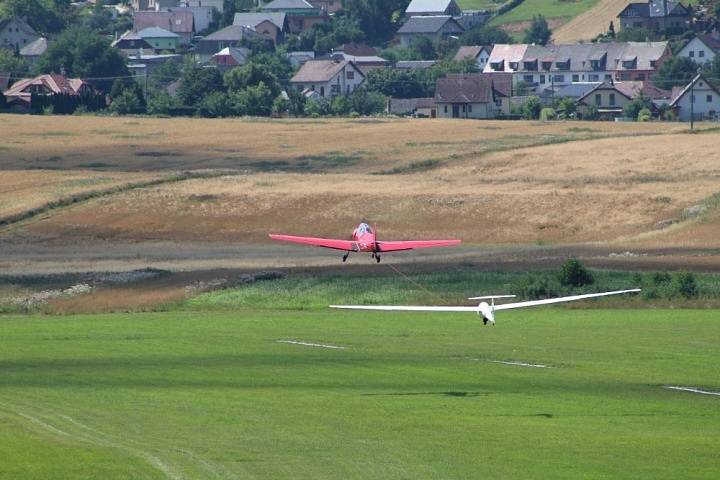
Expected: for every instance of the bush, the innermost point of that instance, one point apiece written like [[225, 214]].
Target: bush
[[644, 115], [574, 274], [660, 278], [547, 114], [534, 287], [530, 110], [686, 285]]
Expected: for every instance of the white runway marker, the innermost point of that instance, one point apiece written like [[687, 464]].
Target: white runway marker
[[692, 390], [307, 344], [521, 364]]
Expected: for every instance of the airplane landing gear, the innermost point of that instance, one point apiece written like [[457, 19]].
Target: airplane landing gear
[[345, 257], [376, 256]]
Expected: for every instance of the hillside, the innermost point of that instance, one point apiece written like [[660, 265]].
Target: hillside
[[557, 13]]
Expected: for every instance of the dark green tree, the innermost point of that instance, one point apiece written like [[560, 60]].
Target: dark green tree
[[539, 31], [378, 19], [216, 104], [574, 274], [633, 107], [249, 75], [422, 48], [196, 82], [45, 16], [487, 35], [11, 64], [686, 285], [675, 72], [611, 30], [254, 100], [530, 110], [82, 53]]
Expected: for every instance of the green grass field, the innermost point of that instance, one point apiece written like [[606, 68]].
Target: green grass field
[[196, 394], [479, 4], [565, 9]]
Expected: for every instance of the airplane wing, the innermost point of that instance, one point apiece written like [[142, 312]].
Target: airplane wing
[[506, 306], [346, 245], [548, 301], [413, 244], [407, 308]]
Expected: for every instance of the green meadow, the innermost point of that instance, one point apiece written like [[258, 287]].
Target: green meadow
[[201, 394]]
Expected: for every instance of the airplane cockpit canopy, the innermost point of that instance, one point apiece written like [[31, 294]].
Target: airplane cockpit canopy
[[364, 228]]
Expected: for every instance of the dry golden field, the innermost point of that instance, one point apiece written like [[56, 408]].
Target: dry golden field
[[591, 23], [485, 182]]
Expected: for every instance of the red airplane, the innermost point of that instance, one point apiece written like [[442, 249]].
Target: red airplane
[[364, 240]]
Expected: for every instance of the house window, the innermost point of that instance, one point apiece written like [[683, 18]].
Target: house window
[[653, 63], [542, 78], [445, 108], [322, 91], [470, 107], [608, 77], [334, 89], [701, 54], [641, 76], [691, 54], [612, 99], [594, 77], [709, 98], [576, 78], [558, 78], [514, 65], [528, 78], [598, 99], [350, 75], [463, 108]]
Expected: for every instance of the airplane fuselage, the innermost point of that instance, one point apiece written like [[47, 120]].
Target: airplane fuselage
[[364, 236]]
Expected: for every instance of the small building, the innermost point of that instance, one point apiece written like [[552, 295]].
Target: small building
[[328, 6], [418, 8], [181, 24], [435, 28], [479, 54], [702, 49], [231, 36], [415, 64], [33, 51], [656, 15], [365, 63], [698, 99], [473, 95], [423, 107], [329, 78], [202, 16], [271, 25], [160, 39], [216, 4], [610, 98], [230, 57], [16, 33], [19, 95], [297, 59], [131, 43], [301, 15], [159, 5]]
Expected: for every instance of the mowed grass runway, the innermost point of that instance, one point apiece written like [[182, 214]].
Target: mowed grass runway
[[215, 395]]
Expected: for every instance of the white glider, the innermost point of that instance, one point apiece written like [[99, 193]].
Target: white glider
[[485, 310]]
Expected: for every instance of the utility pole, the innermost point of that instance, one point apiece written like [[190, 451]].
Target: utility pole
[[692, 103]]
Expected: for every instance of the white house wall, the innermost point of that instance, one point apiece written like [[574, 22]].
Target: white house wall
[[697, 51], [707, 103]]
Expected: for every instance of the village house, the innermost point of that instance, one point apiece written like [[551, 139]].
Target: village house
[[271, 25], [159, 39], [418, 8], [656, 15], [19, 95], [435, 28], [540, 68], [363, 56], [297, 59], [231, 36], [328, 78], [130, 42], [329, 6], [702, 49], [473, 95], [698, 99], [216, 4], [202, 16], [15, 33], [180, 23], [610, 98], [33, 51], [479, 54], [301, 15], [415, 64], [230, 57], [143, 64]]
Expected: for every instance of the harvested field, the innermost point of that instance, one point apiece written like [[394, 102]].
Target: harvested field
[[325, 145], [591, 23], [595, 190]]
